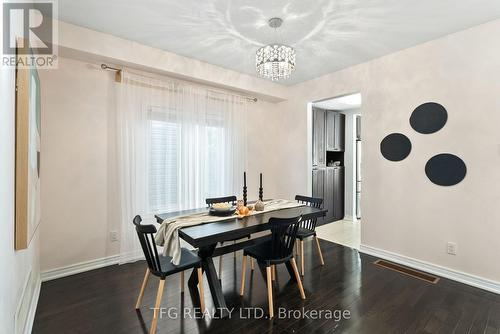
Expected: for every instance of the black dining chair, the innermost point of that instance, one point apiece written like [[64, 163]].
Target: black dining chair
[[277, 250], [231, 200], [307, 229], [161, 266]]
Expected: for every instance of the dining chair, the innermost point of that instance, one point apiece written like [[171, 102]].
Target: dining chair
[[307, 229], [231, 200], [161, 267], [277, 250]]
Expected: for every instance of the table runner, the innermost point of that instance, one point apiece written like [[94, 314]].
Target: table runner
[[168, 233]]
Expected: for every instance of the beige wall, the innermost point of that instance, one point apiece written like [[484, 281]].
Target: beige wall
[[15, 266], [79, 188], [403, 212], [77, 181]]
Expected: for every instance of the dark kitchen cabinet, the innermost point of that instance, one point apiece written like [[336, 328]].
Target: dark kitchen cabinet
[[338, 193], [318, 182], [328, 143], [335, 131], [333, 199], [328, 199], [319, 148]]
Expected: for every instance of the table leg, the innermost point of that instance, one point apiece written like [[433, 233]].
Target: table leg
[[213, 280]]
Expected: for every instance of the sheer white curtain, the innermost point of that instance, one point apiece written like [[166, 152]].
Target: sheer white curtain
[[178, 143]]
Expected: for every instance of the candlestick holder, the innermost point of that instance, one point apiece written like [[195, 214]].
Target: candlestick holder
[[245, 188], [261, 190], [245, 195]]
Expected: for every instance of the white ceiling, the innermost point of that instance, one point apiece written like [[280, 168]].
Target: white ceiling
[[327, 35], [346, 102]]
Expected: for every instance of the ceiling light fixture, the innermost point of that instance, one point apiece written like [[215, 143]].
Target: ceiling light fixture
[[275, 61]]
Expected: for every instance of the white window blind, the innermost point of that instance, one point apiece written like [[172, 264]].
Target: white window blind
[[166, 148]]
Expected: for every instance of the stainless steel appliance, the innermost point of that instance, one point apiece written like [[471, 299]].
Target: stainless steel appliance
[[358, 167]]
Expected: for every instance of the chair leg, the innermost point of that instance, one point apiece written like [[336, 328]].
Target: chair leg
[[234, 253], [143, 287], [201, 290], [252, 265], [243, 274], [319, 251], [273, 272], [297, 277], [154, 323], [296, 249], [302, 257], [182, 282], [270, 292]]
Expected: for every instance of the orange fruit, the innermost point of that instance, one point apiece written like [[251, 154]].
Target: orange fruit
[[244, 211]]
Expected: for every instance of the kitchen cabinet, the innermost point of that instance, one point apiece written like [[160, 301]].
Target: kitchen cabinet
[[338, 193], [335, 131], [333, 199], [318, 182], [328, 142], [319, 148], [328, 199]]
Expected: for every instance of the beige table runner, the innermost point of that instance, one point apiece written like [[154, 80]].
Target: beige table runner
[[168, 233]]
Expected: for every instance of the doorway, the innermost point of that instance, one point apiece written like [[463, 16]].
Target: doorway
[[340, 227]]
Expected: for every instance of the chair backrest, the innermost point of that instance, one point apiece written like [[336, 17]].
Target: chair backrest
[[227, 199], [283, 234], [137, 220], [146, 237], [314, 202]]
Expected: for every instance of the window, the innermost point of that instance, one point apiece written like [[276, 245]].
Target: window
[[163, 162], [177, 148]]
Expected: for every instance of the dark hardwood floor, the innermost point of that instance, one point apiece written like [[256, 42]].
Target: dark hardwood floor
[[379, 301]]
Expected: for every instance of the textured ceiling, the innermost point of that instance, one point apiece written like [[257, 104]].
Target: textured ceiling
[[346, 102], [327, 35]]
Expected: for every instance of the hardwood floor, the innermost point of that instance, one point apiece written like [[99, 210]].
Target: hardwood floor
[[379, 301]]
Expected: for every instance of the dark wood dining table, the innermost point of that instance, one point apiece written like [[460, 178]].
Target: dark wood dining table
[[206, 237]]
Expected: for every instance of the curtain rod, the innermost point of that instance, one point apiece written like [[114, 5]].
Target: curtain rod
[[118, 78]]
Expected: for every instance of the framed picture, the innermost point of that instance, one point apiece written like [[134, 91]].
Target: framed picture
[[28, 131]]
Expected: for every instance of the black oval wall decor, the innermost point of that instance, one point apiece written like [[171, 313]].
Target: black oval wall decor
[[428, 118], [395, 147], [445, 169]]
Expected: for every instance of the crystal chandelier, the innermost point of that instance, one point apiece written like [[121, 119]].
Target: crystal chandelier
[[275, 61]]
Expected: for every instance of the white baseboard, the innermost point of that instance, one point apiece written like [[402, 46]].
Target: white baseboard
[[475, 281], [30, 319], [79, 267], [348, 217]]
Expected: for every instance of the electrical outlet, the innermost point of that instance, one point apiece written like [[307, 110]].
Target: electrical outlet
[[451, 248], [113, 236]]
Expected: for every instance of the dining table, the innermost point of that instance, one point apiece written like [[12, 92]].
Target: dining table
[[208, 238]]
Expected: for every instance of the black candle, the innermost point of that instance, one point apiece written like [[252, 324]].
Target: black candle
[[245, 188], [261, 190]]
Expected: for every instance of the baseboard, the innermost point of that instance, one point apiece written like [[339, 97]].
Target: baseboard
[[33, 305], [79, 267], [451, 274]]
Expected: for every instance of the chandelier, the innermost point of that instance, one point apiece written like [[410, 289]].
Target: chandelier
[[275, 61]]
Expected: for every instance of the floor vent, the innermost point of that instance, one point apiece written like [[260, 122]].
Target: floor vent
[[408, 271]]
